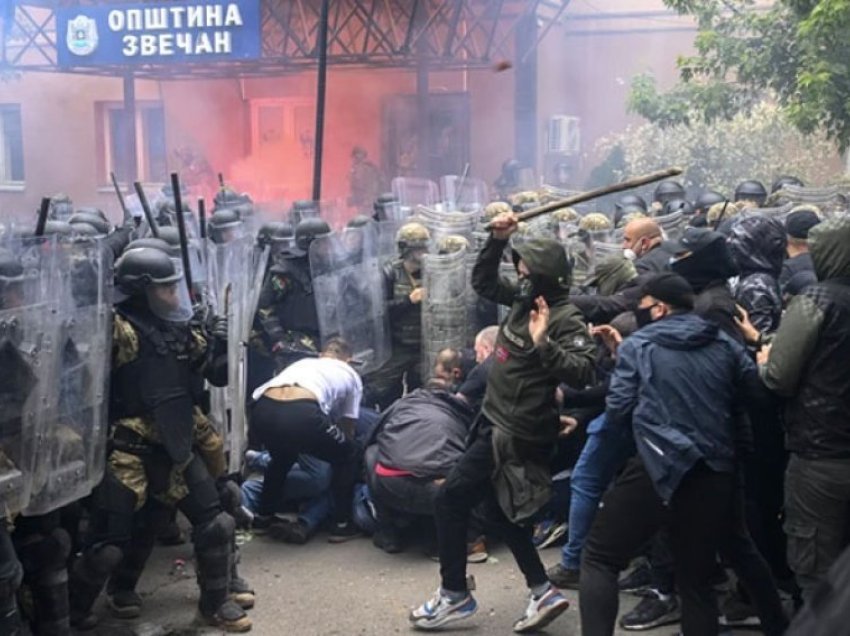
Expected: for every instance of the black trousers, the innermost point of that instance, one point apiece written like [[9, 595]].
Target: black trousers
[[468, 484], [699, 514], [288, 429]]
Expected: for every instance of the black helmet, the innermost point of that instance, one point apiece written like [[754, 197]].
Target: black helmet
[[622, 214], [751, 190], [91, 218], [90, 209], [85, 229], [275, 232], [706, 199], [386, 207], [170, 235], [61, 207], [308, 230], [227, 197], [150, 241], [57, 228], [783, 181], [630, 200], [144, 266], [668, 190], [361, 220], [677, 205], [224, 225]]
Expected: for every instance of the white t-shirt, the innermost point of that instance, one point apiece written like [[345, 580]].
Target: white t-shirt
[[334, 383]]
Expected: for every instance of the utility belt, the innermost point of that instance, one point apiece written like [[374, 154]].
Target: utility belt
[[129, 441]]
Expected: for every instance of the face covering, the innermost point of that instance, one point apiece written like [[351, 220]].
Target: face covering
[[643, 316], [630, 254], [525, 293]]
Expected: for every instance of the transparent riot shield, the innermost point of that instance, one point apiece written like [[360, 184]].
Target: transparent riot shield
[[832, 200], [672, 225], [463, 194], [444, 307], [413, 191], [348, 287], [71, 455], [235, 273], [28, 336]]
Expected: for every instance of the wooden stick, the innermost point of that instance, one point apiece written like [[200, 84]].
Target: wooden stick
[[628, 184]]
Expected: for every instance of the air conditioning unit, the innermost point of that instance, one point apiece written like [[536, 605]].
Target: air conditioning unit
[[564, 136]]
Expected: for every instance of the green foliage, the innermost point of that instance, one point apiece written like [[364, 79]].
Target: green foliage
[[760, 144], [795, 52]]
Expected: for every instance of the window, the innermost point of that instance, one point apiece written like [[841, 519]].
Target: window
[[11, 144], [150, 141]]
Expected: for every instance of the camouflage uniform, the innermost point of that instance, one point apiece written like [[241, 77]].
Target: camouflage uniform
[[387, 384]]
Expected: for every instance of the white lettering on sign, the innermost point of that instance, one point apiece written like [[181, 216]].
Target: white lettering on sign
[[215, 15], [131, 46], [177, 16], [222, 42], [184, 42], [115, 19], [203, 45], [233, 16], [195, 17], [166, 44], [134, 19], [156, 19]]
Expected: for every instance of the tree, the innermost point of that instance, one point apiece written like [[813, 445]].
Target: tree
[[759, 144], [794, 52]]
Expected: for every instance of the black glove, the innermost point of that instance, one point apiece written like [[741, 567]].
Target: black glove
[[218, 327]]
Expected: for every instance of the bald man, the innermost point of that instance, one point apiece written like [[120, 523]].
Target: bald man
[[644, 242]]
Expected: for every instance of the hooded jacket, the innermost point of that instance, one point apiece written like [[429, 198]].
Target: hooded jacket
[[679, 382], [520, 397], [809, 354], [757, 245]]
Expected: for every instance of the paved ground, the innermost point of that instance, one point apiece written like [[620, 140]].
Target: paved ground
[[350, 589]]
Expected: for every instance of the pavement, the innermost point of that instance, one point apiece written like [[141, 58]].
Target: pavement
[[348, 589]]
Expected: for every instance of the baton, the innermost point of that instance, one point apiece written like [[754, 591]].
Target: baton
[[41, 223], [127, 215], [181, 228], [146, 208]]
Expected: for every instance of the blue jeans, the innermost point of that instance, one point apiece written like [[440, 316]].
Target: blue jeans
[[604, 453], [309, 479]]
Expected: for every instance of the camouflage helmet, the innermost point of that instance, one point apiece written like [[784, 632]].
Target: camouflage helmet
[[451, 244], [721, 211], [412, 236], [494, 209], [594, 222], [631, 216], [564, 215]]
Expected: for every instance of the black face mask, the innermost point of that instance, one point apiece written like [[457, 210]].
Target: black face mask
[[643, 316], [525, 293]]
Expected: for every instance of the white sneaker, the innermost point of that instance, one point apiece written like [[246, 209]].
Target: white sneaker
[[439, 611], [542, 611]]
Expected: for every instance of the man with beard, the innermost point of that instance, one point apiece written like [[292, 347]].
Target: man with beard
[[643, 242], [541, 342]]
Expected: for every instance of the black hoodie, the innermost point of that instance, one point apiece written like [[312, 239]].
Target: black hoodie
[[520, 397]]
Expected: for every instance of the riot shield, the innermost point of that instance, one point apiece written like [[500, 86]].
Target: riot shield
[[71, 454], [832, 200], [444, 307], [413, 191], [463, 194], [28, 336], [348, 287], [672, 225], [441, 224], [235, 270]]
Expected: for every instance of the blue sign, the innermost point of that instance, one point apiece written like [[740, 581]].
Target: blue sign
[[158, 33]]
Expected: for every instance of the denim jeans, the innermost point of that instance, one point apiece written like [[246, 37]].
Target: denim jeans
[[308, 479], [604, 453]]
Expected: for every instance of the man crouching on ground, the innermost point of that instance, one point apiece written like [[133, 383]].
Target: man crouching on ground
[[541, 342]]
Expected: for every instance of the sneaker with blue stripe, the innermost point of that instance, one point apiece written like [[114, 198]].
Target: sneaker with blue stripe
[[542, 611], [439, 610]]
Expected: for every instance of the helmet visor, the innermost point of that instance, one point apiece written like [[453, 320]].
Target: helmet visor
[[170, 301]]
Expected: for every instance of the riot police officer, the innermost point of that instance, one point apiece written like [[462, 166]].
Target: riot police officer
[[403, 285], [152, 458], [286, 327]]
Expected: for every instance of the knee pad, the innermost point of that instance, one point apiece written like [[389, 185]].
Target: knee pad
[[218, 531], [101, 561]]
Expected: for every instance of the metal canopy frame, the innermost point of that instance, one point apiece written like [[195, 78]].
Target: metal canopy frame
[[444, 34]]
